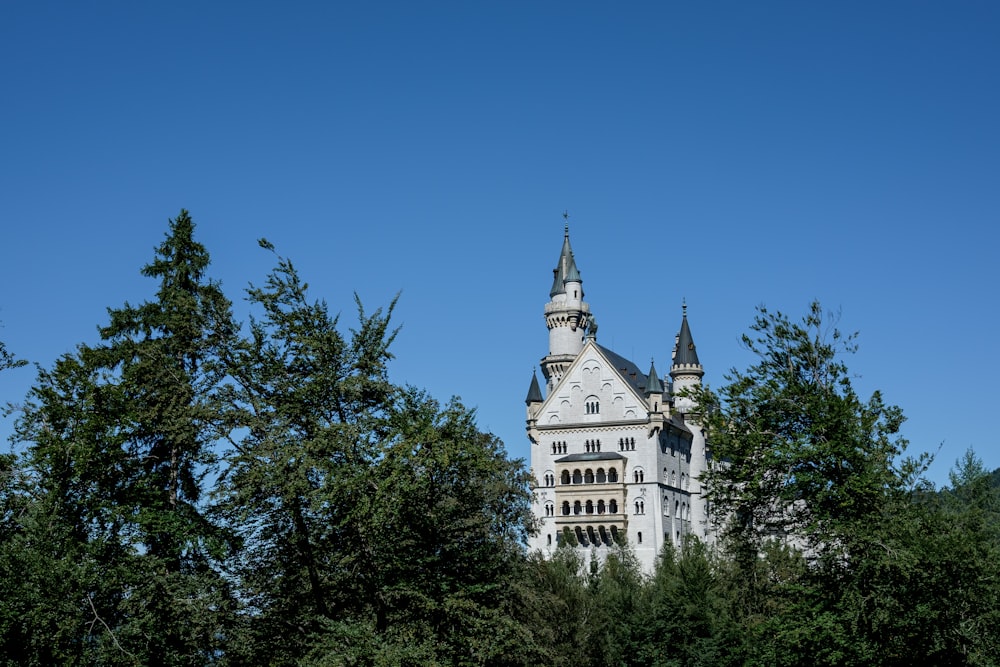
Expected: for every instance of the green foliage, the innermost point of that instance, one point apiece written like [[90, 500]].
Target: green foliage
[[120, 440], [8, 360], [797, 451], [355, 522]]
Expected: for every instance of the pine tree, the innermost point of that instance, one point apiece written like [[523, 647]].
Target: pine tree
[[121, 436]]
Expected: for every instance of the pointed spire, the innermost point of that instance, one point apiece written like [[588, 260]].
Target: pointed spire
[[653, 383], [685, 354], [534, 391], [565, 270]]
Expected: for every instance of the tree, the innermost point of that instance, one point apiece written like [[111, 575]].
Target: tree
[[378, 527], [120, 437], [310, 411], [797, 453], [839, 554]]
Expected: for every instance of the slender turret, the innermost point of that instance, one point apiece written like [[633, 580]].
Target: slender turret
[[566, 315], [686, 370]]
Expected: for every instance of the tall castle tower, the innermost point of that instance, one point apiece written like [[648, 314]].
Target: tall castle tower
[[566, 314], [615, 453]]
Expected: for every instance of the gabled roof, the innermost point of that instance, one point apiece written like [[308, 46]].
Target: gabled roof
[[628, 370]]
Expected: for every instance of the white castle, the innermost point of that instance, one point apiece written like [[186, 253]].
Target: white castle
[[615, 452]]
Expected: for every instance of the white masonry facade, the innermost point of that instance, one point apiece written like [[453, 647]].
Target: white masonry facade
[[615, 453]]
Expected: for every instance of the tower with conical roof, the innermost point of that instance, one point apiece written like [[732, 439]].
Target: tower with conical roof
[[686, 370], [567, 315]]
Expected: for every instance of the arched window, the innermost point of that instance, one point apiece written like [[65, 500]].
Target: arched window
[[550, 539], [601, 477], [588, 476], [677, 509], [576, 507], [614, 533], [549, 509], [603, 534], [565, 508], [612, 475], [565, 477], [632, 442], [621, 445], [600, 507], [580, 537], [591, 536], [639, 537], [597, 444], [639, 507], [590, 507], [613, 506], [673, 478], [577, 477], [683, 481]]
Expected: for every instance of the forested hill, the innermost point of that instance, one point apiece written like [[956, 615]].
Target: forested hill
[[197, 491]]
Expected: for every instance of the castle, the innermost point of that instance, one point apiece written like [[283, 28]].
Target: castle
[[615, 452]]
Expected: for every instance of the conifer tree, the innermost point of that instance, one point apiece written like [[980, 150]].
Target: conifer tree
[[120, 437], [309, 408]]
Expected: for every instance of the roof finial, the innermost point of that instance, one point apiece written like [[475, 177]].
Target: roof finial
[[684, 306], [566, 218]]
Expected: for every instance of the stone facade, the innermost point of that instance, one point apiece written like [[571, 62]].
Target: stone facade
[[613, 452]]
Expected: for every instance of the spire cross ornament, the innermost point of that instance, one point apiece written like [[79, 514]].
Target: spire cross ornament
[[566, 218]]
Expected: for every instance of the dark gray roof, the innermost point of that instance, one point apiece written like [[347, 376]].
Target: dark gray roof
[[591, 456], [653, 383], [565, 270], [534, 391], [686, 353], [628, 370]]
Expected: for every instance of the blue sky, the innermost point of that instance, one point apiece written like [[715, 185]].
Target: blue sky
[[727, 153]]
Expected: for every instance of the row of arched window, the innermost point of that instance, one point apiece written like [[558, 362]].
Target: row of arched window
[[682, 511], [670, 477], [559, 447], [626, 444], [593, 445], [587, 507], [592, 407], [589, 477], [601, 536]]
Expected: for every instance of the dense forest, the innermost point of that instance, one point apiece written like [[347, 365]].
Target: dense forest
[[196, 491]]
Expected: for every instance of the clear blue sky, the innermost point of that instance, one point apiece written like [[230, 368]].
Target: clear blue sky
[[729, 153]]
